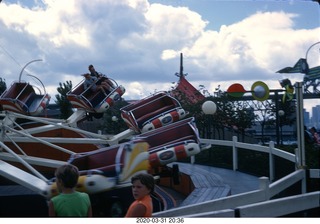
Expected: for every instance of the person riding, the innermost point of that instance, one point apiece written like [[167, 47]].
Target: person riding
[[93, 72], [90, 82], [105, 82]]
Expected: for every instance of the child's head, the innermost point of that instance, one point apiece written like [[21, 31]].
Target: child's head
[[145, 179], [68, 175], [86, 75]]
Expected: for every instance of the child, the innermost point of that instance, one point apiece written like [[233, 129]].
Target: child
[[69, 202], [142, 187], [90, 82]]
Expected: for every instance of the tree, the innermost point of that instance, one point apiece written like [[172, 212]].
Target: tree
[[243, 118], [224, 115], [289, 116], [112, 122], [62, 101], [3, 85]]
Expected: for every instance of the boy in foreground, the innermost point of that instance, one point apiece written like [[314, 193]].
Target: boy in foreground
[[69, 203]]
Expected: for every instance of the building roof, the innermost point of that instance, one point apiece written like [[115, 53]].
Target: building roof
[[186, 91]]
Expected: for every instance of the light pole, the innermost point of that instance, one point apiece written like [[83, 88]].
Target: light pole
[[209, 108], [300, 124], [305, 65], [307, 52], [276, 98], [281, 114]]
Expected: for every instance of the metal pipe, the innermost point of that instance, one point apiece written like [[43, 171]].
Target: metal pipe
[[26, 66]]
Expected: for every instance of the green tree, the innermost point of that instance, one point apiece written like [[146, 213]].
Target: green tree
[[112, 122], [264, 118], [243, 118], [62, 101], [224, 114], [3, 85], [230, 113]]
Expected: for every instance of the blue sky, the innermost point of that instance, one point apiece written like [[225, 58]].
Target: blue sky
[[226, 12], [138, 42]]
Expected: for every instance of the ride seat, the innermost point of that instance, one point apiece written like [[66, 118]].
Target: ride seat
[[180, 141], [103, 160], [152, 114]]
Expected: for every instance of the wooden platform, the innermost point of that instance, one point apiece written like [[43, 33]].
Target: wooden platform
[[208, 185], [214, 183]]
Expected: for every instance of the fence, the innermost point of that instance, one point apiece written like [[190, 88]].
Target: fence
[[258, 203]]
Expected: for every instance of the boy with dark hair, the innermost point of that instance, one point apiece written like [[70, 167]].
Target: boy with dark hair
[[69, 203], [142, 187]]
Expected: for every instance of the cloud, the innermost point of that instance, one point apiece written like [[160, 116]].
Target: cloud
[[139, 44]]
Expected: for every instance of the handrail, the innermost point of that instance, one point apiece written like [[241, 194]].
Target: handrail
[[285, 182], [233, 206], [281, 206], [272, 208], [26, 66], [114, 81], [44, 88], [254, 147], [217, 204]]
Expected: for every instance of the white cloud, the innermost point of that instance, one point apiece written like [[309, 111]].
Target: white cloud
[[173, 26], [169, 54], [139, 90], [58, 22]]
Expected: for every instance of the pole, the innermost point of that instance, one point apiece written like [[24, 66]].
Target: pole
[[310, 49], [181, 65], [300, 124], [277, 116]]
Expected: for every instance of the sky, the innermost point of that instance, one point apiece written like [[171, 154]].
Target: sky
[[138, 42]]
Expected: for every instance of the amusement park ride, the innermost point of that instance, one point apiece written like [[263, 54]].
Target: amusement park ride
[[159, 132], [32, 147]]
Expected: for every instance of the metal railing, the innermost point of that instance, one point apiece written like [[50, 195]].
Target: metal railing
[[271, 150]]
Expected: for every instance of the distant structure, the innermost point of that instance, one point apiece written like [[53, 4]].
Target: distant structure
[[184, 91]]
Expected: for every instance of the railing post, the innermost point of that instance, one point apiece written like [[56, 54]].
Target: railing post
[[264, 186], [304, 182], [271, 162], [297, 159], [235, 153], [192, 159]]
